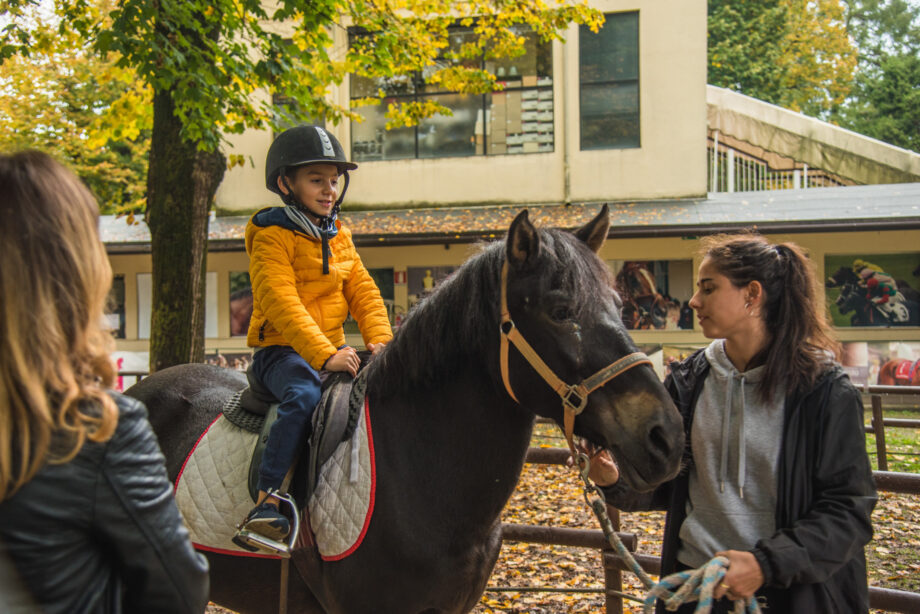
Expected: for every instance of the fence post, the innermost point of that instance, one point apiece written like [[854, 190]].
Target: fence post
[[878, 425], [613, 578]]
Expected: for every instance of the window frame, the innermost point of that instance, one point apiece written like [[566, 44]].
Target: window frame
[[481, 139], [602, 83]]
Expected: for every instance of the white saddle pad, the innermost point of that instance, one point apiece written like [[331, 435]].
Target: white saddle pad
[[212, 490], [343, 501]]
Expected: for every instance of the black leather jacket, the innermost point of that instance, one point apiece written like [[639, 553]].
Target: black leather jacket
[[102, 533], [815, 562]]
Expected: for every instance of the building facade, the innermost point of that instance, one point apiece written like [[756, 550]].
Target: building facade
[[617, 117]]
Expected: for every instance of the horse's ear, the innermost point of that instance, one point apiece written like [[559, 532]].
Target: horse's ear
[[594, 233], [523, 241]]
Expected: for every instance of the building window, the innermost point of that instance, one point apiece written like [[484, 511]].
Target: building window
[[283, 108], [240, 303], [115, 309], [518, 119], [609, 83], [145, 305], [383, 278]]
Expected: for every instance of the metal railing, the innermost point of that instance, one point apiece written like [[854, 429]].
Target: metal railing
[[734, 170]]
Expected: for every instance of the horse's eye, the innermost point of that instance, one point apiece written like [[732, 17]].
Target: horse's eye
[[561, 313]]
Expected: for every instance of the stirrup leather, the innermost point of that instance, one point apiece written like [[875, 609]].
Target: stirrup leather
[[254, 542]]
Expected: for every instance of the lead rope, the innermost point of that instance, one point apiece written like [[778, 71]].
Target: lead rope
[[674, 590]]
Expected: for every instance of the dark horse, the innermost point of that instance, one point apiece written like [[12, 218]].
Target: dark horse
[[644, 307], [449, 439]]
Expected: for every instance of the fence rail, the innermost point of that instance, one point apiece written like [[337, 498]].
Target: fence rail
[[879, 422]]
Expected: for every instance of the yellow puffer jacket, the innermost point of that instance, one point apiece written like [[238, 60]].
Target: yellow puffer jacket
[[294, 303]]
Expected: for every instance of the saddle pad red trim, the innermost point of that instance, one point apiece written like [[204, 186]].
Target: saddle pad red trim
[[201, 547], [192, 450], [370, 504]]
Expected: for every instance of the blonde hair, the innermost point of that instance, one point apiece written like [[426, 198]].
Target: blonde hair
[[54, 353]]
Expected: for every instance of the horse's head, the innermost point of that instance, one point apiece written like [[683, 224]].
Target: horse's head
[[851, 298], [560, 298], [644, 307], [841, 276]]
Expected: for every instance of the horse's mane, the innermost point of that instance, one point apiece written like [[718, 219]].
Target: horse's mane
[[458, 323]]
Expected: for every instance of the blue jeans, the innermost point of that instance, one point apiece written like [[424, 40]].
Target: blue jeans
[[297, 385]]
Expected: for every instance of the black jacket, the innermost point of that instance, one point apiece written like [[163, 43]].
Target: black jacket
[[815, 562], [102, 533]]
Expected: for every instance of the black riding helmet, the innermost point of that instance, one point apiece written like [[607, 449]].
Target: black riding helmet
[[300, 146]]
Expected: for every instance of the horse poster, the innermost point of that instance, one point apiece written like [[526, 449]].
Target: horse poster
[[886, 363], [655, 293]]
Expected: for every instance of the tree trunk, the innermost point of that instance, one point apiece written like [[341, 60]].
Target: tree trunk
[[181, 183]]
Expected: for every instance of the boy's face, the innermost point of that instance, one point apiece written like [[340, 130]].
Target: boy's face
[[316, 187]]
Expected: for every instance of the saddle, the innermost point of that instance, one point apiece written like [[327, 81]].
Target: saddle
[[906, 370], [336, 416]]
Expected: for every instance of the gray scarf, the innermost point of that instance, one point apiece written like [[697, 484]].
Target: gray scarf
[[313, 231]]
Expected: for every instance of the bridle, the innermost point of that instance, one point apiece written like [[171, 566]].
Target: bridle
[[575, 396]]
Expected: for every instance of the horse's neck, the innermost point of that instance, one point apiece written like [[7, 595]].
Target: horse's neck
[[466, 442]]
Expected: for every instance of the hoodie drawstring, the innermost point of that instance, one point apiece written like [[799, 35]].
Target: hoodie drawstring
[[726, 431], [741, 443]]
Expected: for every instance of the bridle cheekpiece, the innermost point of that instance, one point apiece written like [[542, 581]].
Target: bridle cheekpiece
[[574, 396]]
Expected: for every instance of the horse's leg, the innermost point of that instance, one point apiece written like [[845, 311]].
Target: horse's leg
[[491, 550], [252, 586]]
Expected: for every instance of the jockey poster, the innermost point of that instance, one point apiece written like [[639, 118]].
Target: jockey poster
[[873, 289]]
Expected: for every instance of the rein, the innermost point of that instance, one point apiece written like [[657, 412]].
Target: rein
[[575, 396]]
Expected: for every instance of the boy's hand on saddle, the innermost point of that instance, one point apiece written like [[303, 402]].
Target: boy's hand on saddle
[[345, 359]]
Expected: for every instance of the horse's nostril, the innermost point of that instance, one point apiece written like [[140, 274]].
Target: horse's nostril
[[659, 440]]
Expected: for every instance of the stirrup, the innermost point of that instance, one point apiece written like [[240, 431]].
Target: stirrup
[[254, 542]]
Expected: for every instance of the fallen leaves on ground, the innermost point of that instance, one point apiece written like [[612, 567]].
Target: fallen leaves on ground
[[551, 495]]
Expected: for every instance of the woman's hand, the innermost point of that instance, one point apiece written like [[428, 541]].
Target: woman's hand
[[742, 578], [375, 348], [603, 470], [346, 359]]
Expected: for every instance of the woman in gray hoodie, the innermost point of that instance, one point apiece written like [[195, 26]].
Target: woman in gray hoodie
[[777, 478]]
